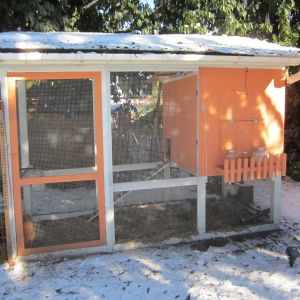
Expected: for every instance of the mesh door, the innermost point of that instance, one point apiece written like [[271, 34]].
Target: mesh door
[[55, 125]]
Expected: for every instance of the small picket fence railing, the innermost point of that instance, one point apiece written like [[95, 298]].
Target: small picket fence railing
[[261, 167]]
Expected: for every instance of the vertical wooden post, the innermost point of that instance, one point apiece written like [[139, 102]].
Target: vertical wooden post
[[275, 200], [201, 205], [283, 164], [265, 167], [252, 165], [226, 170], [271, 166], [108, 167], [239, 170], [4, 184], [258, 167], [24, 144], [245, 169], [232, 166]]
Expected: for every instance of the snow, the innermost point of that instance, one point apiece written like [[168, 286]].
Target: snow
[[252, 268], [124, 43]]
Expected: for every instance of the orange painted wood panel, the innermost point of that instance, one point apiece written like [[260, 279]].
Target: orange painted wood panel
[[180, 121], [253, 99]]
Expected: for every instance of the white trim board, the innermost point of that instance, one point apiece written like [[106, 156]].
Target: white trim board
[[154, 184], [146, 59], [132, 246], [136, 167]]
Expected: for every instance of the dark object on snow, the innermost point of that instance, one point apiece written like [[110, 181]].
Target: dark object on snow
[[293, 253]]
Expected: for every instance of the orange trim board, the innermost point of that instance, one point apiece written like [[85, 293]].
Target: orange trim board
[[19, 182], [56, 179], [71, 246]]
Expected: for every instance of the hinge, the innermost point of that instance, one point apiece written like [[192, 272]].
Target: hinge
[[203, 106]]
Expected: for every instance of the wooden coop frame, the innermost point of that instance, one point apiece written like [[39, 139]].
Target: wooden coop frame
[[208, 162]]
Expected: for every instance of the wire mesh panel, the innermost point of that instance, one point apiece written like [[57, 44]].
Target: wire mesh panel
[[61, 213], [3, 192], [3, 241], [236, 206], [154, 125], [155, 215], [55, 125]]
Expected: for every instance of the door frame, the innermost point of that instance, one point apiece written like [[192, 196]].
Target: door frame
[[97, 175]]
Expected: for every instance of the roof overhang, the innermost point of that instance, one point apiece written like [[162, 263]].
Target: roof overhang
[[148, 58]]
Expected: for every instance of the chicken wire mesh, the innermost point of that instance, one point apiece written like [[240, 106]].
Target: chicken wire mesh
[[237, 206], [3, 193], [154, 133], [155, 215], [153, 125], [56, 136], [3, 239], [60, 214], [55, 125]]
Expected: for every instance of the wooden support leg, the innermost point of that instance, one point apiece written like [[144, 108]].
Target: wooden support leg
[[201, 205], [275, 199]]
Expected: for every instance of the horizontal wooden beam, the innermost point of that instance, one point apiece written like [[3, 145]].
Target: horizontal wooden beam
[[136, 167], [154, 184], [293, 78]]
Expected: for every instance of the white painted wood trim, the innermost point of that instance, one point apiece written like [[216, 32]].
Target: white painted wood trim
[[134, 245], [180, 77], [275, 200], [60, 216], [4, 96], [154, 184], [154, 59], [136, 167], [201, 205], [24, 144], [22, 104], [248, 230], [107, 154]]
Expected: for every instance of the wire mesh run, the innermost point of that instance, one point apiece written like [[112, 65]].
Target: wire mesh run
[[55, 125], [3, 238], [155, 215], [154, 125], [4, 242], [238, 205], [60, 213]]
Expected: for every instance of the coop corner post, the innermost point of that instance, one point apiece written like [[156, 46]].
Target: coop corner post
[[24, 149], [201, 205], [10, 203], [108, 168], [275, 200]]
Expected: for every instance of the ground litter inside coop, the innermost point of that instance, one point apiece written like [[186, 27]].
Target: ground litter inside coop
[[149, 223]]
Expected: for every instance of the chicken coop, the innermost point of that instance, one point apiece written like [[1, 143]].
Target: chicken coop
[[116, 141]]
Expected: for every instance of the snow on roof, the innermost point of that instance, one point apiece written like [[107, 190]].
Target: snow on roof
[[57, 42]]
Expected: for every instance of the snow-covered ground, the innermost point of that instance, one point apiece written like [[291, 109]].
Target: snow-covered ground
[[255, 268]]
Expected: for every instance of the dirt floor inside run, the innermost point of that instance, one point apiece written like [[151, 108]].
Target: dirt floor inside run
[[151, 223]]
